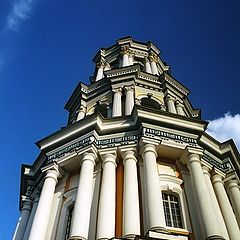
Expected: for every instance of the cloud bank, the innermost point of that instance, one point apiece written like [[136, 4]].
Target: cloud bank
[[225, 128], [20, 11]]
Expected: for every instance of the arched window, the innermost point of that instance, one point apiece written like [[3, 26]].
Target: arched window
[[148, 102], [68, 222], [172, 210]]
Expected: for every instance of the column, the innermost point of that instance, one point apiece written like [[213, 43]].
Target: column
[[117, 103], [202, 196], [179, 108], [153, 61], [130, 59], [107, 66], [21, 226], [214, 201], [226, 208], [81, 113], [41, 218], [129, 103], [234, 194], [125, 53], [30, 221], [171, 104], [82, 206], [131, 215], [147, 66], [106, 209], [155, 212], [100, 67]]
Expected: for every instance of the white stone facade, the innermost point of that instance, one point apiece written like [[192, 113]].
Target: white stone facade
[[134, 161]]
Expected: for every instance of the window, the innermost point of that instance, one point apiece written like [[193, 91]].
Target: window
[[69, 221], [172, 210], [148, 102]]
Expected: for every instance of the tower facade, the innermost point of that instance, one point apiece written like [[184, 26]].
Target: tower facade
[[133, 162]]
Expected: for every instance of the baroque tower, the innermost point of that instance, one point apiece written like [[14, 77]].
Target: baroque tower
[[133, 162]]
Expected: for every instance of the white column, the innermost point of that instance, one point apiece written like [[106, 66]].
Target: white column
[[129, 103], [179, 108], [226, 208], [117, 103], [81, 113], [170, 100], [153, 62], [215, 205], [41, 218], [125, 55], [107, 66], [202, 196], [82, 206], [125, 60], [155, 212], [234, 194], [131, 215], [106, 209], [100, 67], [30, 221], [21, 226], [130, 59], [147, 66]]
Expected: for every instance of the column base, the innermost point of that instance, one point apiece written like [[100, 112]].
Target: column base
[[159, 230], [215, 237], [77, 238], [130, 236]]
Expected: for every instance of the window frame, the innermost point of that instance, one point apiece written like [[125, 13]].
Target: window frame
[[169, 202]]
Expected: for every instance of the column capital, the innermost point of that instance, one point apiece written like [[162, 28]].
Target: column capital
[[217, 178], [146, 60], [128, 154], [129, 88], [194, 153], [100, 63], [125, 50], [54, 171], [232, 183], [118, 90], [108, 157], [170, 97], [206, 170], [153, 57], [89, 156], [179, 104], [107, 66], [148, 147]]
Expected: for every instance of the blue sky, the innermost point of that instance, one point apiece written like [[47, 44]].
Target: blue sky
[[46, 48]]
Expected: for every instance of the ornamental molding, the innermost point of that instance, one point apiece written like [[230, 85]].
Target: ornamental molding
[[224, 167], [127, 139], [150, 132], [133, 138], [175, 84], [122, 72]]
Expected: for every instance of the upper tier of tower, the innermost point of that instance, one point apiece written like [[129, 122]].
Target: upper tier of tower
[[127, 74]]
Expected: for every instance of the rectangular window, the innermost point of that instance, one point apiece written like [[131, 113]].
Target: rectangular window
[[69, 221], [172, 210]]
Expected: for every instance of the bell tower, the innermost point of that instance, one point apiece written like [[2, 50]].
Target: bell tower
[[133, 162]]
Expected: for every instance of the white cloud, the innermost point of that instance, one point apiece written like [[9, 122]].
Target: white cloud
[[21, 10], [225, 128]]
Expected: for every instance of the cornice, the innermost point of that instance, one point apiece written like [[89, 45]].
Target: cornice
[[172, 120], [175, 83]]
